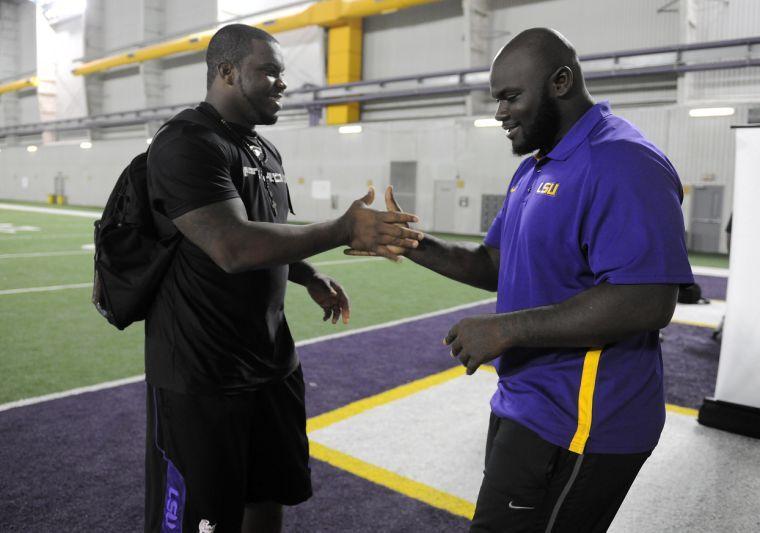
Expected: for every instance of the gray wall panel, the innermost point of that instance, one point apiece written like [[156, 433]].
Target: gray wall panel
[[593, 26], [122, 24], [28, 107], [712, 21], [426, 38], [123, 93], [91, 173], [184, 15], [27, 35], [185, 83]]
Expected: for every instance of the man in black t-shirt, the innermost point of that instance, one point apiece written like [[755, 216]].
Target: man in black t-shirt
[[226, 441]]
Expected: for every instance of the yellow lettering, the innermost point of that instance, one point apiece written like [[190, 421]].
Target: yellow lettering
[[548, 188]]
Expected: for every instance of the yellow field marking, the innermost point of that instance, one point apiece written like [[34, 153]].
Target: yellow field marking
[[358, 407], [380, 476], [386, 478], [705, 325], [688, 411]]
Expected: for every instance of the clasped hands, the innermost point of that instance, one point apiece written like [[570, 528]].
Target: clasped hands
[[395, 238], [474, 340], [368, 232]]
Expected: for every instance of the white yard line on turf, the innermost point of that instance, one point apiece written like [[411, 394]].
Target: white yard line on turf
[[710, 271], [44, 237], [392, 323], [49, 288], [699, 270], [89, 284], [51, 211], [305, 342], [44, 254], [71, 392], [347, 261]]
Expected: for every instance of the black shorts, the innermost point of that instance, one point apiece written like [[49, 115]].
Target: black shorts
[[207, 456], [533, 485]]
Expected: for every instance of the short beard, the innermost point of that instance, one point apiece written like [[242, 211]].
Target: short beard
[[543, 131], [260, 118]]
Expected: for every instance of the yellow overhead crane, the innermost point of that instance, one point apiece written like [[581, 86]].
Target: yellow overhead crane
[[17, 85], [344, 58]]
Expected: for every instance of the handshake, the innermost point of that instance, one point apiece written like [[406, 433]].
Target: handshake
[[379, 233]]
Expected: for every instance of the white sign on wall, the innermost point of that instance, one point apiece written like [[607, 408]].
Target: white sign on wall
[[320, 189], [739, 370]]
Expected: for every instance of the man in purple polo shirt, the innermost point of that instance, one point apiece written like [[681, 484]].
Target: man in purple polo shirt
[[586, 255]]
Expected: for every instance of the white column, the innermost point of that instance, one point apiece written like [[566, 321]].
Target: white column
[[152, 73], [94, 47], [10, 112], [60, 94], [739, 369], [736, 405], [477, 31]]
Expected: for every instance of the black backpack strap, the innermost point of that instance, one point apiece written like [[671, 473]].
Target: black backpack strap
[[271, 147], [208, 117]]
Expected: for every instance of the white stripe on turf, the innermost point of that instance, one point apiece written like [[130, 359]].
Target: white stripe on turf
[[49, 288], [44, 236], [710, 271], [346, 261], [134, 379], [89, 284], [71, 392], [44, 254], [395, 322], [51, 210]]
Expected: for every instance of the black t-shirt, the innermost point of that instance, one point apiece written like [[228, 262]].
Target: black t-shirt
[[209, 331]]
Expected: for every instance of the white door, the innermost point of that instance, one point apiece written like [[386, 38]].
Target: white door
[[445, 203]]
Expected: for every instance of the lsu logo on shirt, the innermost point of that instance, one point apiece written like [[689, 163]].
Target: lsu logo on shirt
[[548, 188]]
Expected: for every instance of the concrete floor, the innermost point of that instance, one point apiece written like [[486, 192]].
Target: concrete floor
[[697, 480]]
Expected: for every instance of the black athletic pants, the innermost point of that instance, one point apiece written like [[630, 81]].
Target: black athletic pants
[[208, 456], [532, 485]]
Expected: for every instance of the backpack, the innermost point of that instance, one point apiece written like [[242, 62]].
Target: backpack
[[131, 256], [134, 243], [691, 294]]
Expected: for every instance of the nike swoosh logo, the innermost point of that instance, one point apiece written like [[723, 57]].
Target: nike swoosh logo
[[519, 507]]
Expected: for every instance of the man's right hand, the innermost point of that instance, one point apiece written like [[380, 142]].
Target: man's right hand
[[380, 232]]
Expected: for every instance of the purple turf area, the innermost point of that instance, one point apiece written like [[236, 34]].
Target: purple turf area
[[690, 359], [712, 287], [76, 464]]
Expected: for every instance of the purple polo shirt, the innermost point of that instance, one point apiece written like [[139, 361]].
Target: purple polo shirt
[[603, 206]]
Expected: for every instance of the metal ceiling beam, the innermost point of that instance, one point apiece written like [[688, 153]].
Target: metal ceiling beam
[[325, 13], [462, 86], [18, 85]]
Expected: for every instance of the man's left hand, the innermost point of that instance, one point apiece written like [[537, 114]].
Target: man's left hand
[[330, 296], [477, 340]]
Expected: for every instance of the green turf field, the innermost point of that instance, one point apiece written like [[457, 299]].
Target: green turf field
[[54, 340]]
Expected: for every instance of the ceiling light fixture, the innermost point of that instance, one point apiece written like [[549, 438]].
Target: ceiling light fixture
[[700, 112], [354, 128], [487, 123]]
